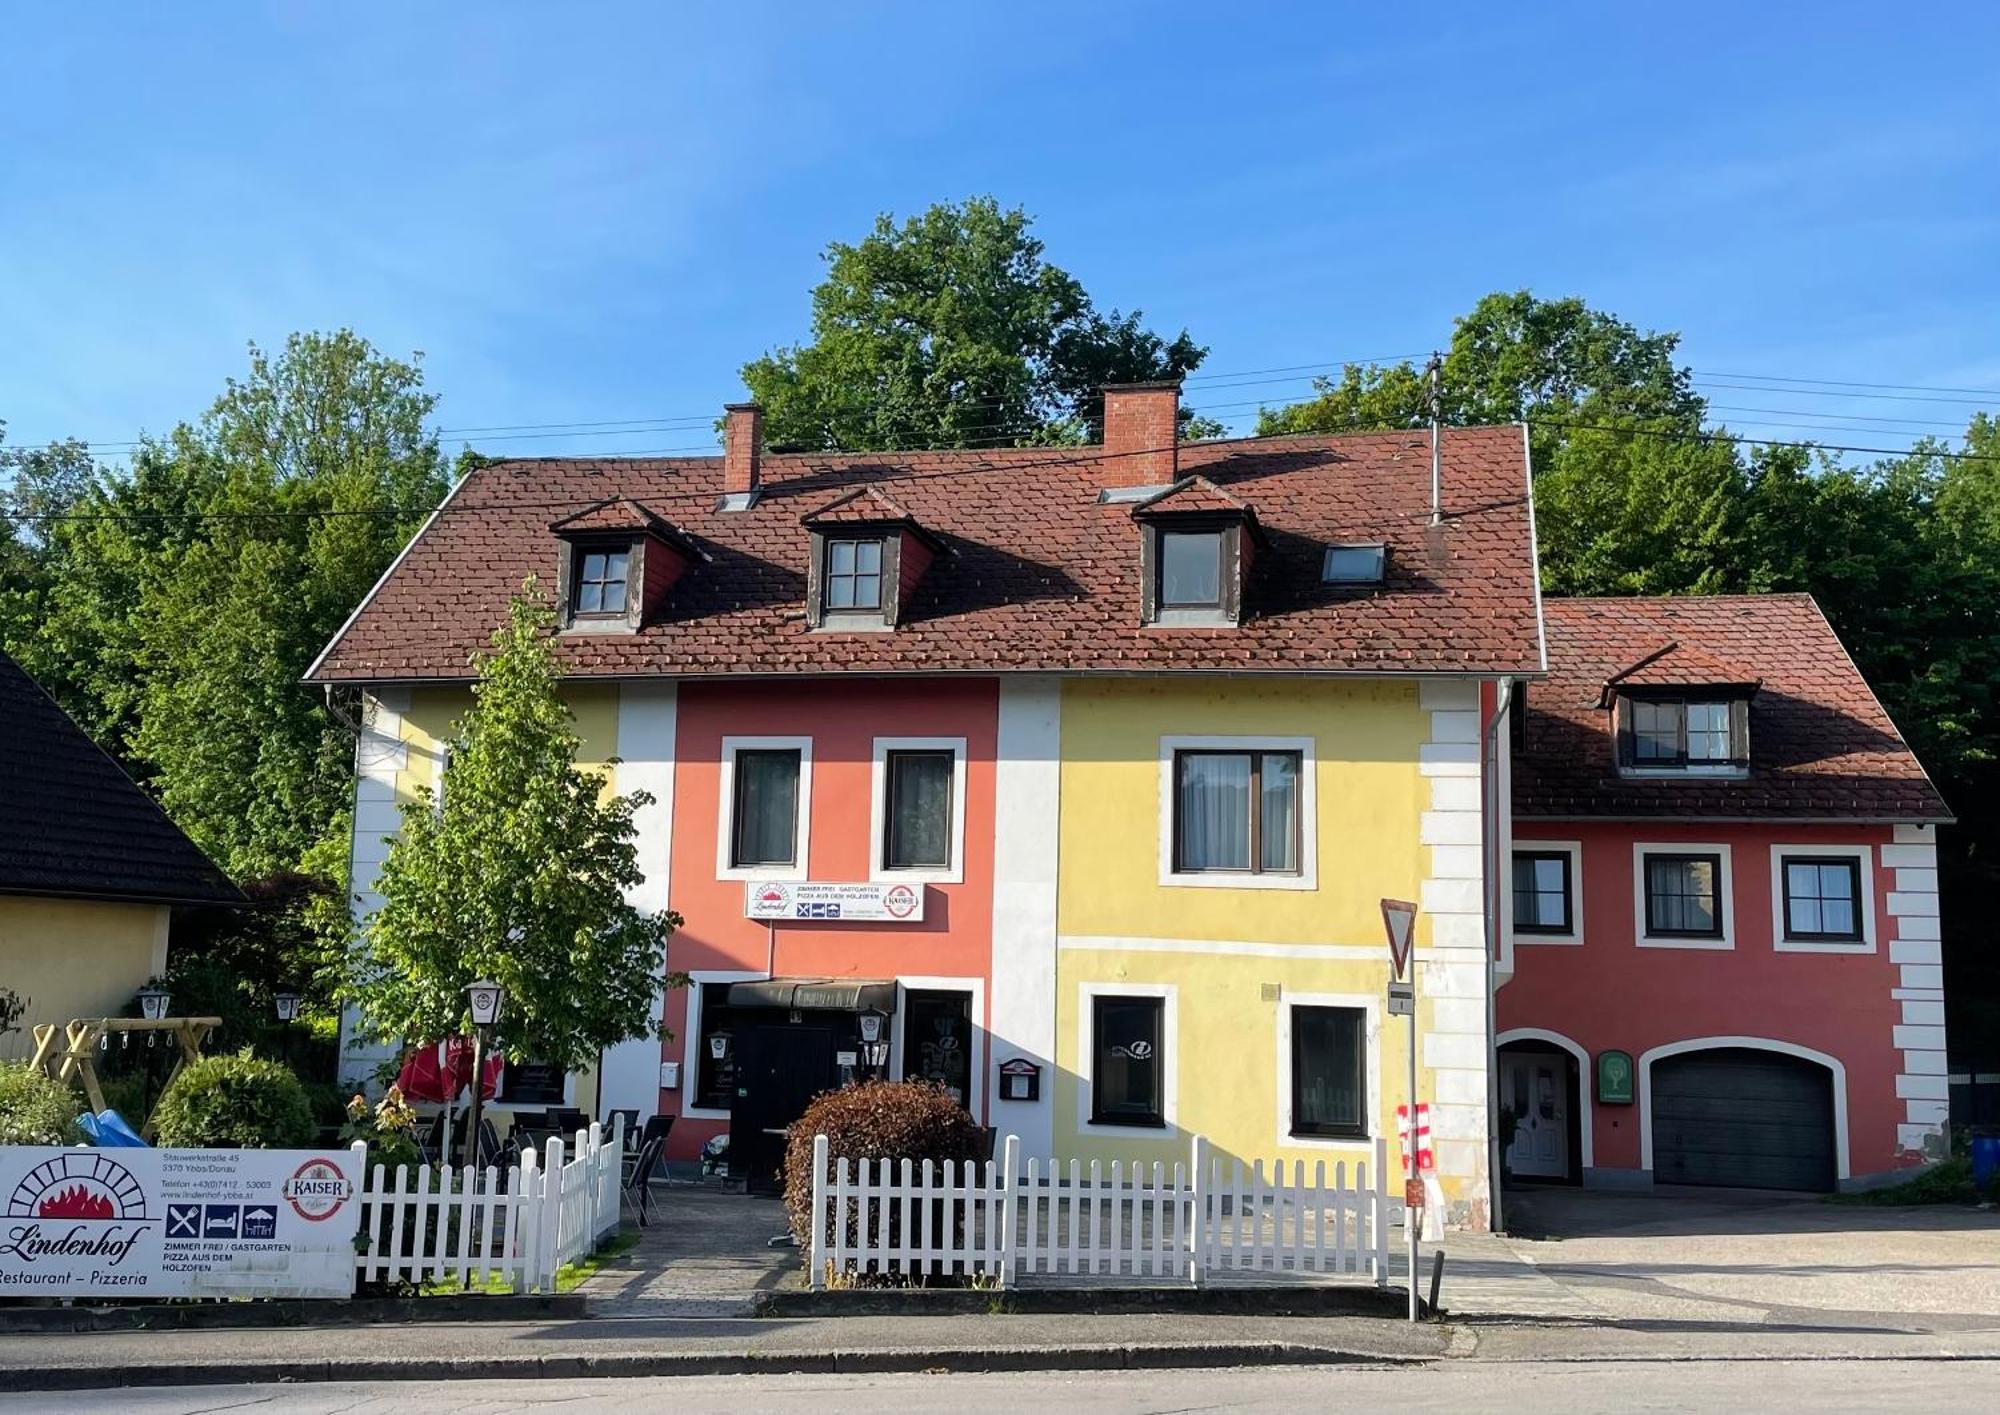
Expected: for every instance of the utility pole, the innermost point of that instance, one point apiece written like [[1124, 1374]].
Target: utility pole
[[1434, 400]]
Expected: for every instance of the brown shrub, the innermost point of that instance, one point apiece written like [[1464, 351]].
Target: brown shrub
[[896, 1120]]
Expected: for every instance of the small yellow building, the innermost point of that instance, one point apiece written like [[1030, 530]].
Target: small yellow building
[[91, 869], [1221, 962]]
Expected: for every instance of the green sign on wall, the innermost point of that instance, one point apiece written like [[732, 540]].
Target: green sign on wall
[[1614, 1077]]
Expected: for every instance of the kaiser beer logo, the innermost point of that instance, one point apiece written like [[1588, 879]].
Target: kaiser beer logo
[[80, 1204], [900, 902], [317, 1190]]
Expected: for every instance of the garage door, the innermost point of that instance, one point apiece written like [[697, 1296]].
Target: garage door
[[1749, 1119]]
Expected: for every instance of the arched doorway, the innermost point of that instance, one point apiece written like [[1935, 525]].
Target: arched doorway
[[1739, 1113], [1540, 1084]]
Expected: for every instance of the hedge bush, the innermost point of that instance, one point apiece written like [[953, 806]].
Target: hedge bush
[[238, 1102], [35, 1108], [896, 1120]]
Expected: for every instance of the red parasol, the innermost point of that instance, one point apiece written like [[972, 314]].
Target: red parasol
[[439, 1071]]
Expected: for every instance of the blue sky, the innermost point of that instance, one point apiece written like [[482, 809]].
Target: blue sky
[[599, 212]]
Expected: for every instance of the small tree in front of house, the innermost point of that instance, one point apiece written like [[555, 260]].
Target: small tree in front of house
[[517, 871]]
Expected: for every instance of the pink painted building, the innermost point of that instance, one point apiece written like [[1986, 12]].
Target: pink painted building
[[1721, 956]]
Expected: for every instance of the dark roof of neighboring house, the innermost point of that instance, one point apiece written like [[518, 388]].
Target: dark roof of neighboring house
[[1820, 744], [1034, 572], [73, 824]]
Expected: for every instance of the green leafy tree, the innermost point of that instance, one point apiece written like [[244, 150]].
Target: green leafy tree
[[952, 330], [517, 873]]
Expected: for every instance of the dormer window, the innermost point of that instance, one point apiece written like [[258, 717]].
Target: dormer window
[[1191, 570], [1195, 544], [854, 575], [599, 587], [618, 561], [868, 554], [1696, 735]]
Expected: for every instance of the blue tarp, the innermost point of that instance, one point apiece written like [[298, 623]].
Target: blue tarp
[[108, 1130]]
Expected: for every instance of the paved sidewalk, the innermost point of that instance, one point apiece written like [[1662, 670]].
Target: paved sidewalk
[[706, 1253]]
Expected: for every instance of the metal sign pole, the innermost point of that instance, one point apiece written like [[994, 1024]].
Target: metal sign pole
[[1410, 1211], [1399, 919]]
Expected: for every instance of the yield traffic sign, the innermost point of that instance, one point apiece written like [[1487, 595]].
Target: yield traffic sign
[[1399, 919]]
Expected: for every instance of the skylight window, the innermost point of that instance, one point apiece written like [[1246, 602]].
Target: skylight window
[[1357, 564]]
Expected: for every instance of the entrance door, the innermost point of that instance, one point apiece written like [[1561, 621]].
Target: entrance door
[[783, 1067], [937, 1041], [1535, 1086]]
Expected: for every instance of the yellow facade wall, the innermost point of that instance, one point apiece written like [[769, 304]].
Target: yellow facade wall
[[70, 958], [1232, 957]]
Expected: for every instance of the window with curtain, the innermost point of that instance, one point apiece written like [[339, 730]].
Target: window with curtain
[[1542, 892], [918, 818], [1190, 569], [853, 574], [1823, 898], [600, 582], [764, 830], [1237, 812], [1682, 898], [1127, 1057], [1330, 1072]]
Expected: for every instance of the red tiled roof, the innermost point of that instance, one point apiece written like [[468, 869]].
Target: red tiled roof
[[617, 513], [1677, 665], [864, 506], [1820, 744], [1193, 494], [1034, 574]]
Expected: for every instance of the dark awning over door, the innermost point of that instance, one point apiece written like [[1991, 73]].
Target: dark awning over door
[[1743, 1118], [819, 994]]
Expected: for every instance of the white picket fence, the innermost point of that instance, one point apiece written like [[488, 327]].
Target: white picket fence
[[1159, 1222], [519, 1224]]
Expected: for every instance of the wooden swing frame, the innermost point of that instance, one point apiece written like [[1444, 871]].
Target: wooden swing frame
[[69, 1053]]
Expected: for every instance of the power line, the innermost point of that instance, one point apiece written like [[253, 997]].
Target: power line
[[1806, 446], [1847, 383], [1874, 397]]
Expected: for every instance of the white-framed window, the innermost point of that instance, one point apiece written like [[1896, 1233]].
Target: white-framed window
[[1681, 896], [1128, 1058], [703, 1075], [764, 813], [1238, 812], [1823, 898], [1329, 1080], [1546, 889], [917, 809]]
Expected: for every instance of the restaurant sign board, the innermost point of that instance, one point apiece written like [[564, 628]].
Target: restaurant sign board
[[872, 902]]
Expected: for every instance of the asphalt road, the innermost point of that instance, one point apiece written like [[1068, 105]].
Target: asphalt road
[[1820, 1386]]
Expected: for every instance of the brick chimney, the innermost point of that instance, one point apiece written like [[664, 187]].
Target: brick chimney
[[1141, 433], [742, 448]]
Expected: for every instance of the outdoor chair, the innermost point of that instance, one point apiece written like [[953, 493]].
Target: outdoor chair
[[638, 1191], [631, 1118]]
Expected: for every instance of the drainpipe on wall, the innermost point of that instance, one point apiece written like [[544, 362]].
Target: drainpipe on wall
[[1489, 851]]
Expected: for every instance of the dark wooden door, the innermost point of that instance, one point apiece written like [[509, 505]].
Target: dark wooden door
[[783, 1067]]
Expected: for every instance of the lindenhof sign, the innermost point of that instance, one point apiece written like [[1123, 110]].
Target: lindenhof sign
[[879, 902], [177, 1223]]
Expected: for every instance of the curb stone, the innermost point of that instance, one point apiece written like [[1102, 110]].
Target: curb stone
[[913, 1361]]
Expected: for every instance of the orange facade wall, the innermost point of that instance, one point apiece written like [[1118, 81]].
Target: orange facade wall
[[843, 719], [1610, 993]]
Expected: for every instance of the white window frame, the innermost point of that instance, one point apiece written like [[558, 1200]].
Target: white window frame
[[976, 1101], [1170, 1069], [1371, 1059], [1864, 906], [1571, 848], [1308, 876], [691, 1042], [1725, 890], [725, 809], [878, 810]]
